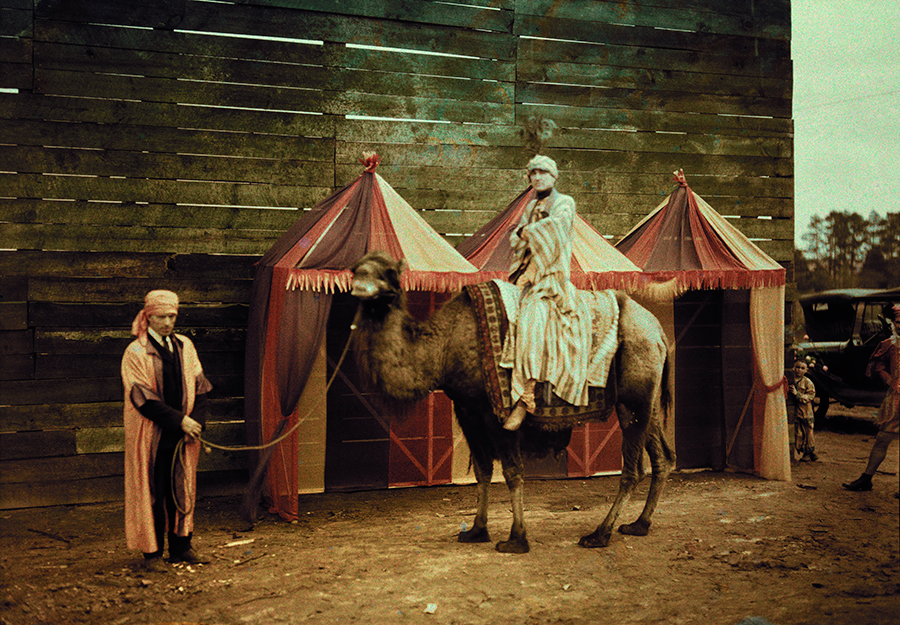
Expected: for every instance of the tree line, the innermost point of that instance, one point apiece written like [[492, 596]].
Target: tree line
[[844, 250]]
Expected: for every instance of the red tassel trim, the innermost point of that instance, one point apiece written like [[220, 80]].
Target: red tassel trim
[[334, 280], [734, 279]]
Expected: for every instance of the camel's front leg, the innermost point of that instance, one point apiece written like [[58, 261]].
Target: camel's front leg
[[484, 471], [513, 472]]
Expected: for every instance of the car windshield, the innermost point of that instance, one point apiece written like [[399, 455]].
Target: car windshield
[[830, 320]]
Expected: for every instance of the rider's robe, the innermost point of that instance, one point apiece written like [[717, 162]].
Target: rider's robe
[[551, 338]]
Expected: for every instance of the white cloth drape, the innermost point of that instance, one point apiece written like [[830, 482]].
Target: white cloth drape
[[770, 414]]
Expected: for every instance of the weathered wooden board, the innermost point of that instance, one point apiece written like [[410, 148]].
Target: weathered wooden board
[[650, 38], [37, 444], [295, 51], [133, 290], [16, 342], [101, 315], [96, 342], [126, 163], [468, 13], [598, 160], [164, 115], [94, 415], [643, 92], [155, 139], [13, 315], [173, 191], [142, 265], [304, 73], [287, 23], [697, 16], [533, 51], [90, 390], [265, 222]]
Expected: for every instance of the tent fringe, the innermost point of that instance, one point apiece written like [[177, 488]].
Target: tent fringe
[[334, 280], [735, 279]]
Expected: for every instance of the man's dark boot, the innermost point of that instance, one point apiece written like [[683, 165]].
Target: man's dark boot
[[863, 482]]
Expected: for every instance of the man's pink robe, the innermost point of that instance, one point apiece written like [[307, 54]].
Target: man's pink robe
[[142, 365]]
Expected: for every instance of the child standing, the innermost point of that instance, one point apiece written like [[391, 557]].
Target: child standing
[[801, 393]]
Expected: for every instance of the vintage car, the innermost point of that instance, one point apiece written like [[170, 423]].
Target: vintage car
[[843, 326]]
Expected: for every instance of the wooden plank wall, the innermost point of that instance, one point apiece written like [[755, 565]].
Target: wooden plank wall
[[169, 143]]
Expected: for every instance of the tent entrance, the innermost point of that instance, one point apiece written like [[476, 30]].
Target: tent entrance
[[714, 361], [370, 444]]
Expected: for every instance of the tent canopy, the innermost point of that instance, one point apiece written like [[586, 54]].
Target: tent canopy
[[686, 239], [596, 264]]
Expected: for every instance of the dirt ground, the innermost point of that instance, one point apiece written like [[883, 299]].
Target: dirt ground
[[724, 546]]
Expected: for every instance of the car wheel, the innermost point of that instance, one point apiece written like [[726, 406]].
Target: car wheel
[[822, 409]]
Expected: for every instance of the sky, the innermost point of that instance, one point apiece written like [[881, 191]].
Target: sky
[[846, 56]]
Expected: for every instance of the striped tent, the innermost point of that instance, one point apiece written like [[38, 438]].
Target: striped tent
[[596, 264], [292, 298], [684, 241]]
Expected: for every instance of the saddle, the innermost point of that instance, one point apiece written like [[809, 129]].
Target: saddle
[[551, 412]]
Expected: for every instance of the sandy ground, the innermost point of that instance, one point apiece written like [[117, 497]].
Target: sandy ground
[[724, 546]]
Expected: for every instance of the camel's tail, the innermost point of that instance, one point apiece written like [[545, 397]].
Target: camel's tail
[[667, 404], [668, 388]]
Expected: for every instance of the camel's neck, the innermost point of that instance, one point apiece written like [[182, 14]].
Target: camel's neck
[[403, 355]]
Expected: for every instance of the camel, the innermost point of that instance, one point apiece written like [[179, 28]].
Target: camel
[[406, 359]]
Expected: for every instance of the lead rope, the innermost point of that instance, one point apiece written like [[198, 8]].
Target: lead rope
[[179, 448]]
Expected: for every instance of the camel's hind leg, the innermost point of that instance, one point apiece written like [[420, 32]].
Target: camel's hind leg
[[661, 461], [514, 473], [633, 435]]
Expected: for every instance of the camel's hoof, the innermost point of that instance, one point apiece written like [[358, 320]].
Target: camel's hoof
[[474, 535], [594, 540], [513, 546], [635, 529]]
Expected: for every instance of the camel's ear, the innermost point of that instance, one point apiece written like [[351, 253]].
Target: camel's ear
[[392, 275]]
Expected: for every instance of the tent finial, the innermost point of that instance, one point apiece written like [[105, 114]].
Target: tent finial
[[370, 160], [679, 178]]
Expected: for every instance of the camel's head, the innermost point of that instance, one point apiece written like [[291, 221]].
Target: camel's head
[[376, 276]]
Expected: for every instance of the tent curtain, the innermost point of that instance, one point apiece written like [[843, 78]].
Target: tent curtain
[[300, 335], [769, 412]]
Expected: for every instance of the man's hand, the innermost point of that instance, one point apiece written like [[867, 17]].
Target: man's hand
[[190, 427]]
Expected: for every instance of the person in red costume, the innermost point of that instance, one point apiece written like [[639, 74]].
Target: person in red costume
[[884, 362], [165, 404]]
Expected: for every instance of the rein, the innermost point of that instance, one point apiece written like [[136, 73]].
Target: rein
[[179, 448]]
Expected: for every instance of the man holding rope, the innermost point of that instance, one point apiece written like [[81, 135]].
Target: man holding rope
[[165, 404]]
